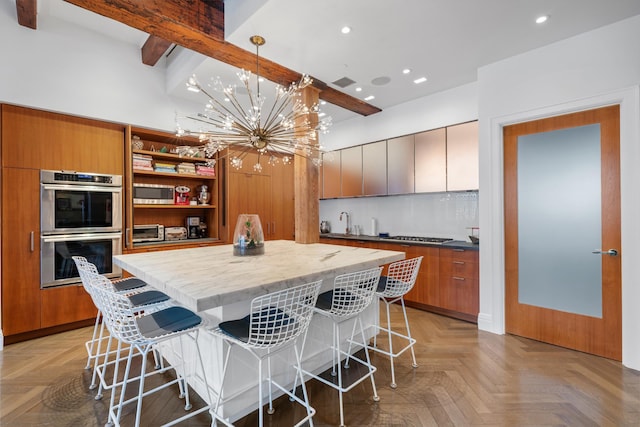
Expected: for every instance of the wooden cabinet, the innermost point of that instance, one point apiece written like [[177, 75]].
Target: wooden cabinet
[[171, 215], [426, 289], [459, 281], [431, 161], [462, 157], [400, 165], [20, 250], [56, 309], [447, 282], [444, 159], [268, 193], [35, 139], [374, 168]]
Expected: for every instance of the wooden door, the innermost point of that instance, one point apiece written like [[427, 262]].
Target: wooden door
[[250, 194], [20, 250], [283, 201], [599, 334]]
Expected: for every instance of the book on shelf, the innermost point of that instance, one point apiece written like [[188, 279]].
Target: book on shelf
[[142, 162], [205, 170], [186, 168]]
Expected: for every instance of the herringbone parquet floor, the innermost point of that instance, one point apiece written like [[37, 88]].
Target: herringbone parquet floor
[[465, 377]]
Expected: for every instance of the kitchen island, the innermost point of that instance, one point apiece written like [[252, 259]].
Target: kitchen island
[[219, 286]]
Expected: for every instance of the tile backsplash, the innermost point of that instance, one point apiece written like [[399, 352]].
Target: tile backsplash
[[428, 215]]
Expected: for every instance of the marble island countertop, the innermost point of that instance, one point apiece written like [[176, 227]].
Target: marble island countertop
[[208, 277], [459, 244]]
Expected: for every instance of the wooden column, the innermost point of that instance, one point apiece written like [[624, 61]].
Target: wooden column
[[306, 185]]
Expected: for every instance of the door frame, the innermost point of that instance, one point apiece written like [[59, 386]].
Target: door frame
[[592, 334], [492, 277]]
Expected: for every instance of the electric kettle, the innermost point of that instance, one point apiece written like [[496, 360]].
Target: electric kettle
[[325, 227]]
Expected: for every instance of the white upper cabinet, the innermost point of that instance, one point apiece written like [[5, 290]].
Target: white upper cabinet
[[431, 161], [374, 168], [462, 157], [400, 165], [351, 171]]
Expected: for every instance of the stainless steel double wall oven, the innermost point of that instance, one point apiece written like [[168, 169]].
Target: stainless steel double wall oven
[[80, 214]]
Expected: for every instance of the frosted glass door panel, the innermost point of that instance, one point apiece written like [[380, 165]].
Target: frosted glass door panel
[[559, 220]]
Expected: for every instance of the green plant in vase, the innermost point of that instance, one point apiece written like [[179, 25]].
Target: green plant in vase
[[248, 237]]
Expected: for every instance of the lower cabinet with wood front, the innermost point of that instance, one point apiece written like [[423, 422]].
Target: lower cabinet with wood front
[[447, 283]]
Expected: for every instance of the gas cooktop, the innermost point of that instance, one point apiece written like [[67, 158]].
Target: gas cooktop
[[436, 240]]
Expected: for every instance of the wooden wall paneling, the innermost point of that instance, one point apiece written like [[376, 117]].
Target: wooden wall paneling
[[250, 194], [283, 205]]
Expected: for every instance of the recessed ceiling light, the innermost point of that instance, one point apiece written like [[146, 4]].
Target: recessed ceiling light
[[345, 30], [541, 19], [323, 102], [369, 98], [358, 89], [406, 71], [420, 80]]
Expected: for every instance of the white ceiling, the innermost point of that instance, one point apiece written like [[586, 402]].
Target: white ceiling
[[443, 40]]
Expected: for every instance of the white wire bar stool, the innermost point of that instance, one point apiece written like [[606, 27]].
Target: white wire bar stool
[[275, 324], [142, 297], [400, 279], [143, 333], [352, 293]]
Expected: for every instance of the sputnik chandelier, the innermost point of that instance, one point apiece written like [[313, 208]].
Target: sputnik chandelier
[[243, 124]]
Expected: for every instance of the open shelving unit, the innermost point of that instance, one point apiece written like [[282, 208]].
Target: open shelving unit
[[172, 215]]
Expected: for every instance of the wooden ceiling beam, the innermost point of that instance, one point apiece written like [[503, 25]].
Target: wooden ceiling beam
[[198, 25], [27, 13], [153, 49]]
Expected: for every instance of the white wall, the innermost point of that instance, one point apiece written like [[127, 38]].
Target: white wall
[[596, 68], [63, 68]]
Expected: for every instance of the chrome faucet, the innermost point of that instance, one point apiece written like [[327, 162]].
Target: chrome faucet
[[346, 214]]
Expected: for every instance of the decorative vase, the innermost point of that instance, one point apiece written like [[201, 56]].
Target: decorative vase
[[248, 238]]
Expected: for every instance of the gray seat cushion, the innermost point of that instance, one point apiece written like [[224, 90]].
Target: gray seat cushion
[[169, 320]]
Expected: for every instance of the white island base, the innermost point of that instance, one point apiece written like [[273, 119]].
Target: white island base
[[219, 286]]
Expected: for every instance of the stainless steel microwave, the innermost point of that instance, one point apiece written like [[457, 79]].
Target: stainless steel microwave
[[148, 233], [153, 194]]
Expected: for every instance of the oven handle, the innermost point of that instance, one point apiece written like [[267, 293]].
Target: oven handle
[[81, 188], [76, 237]]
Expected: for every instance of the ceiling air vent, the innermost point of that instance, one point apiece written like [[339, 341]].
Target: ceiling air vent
[[343, 82]]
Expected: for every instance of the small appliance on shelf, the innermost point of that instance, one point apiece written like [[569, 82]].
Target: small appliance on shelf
[[182, 195]]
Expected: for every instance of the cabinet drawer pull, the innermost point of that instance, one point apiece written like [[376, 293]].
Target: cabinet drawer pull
[[458, 250], [458, 278], [458, 262], [31, 242]]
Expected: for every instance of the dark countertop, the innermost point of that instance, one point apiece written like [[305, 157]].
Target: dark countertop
[[453, 244]]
